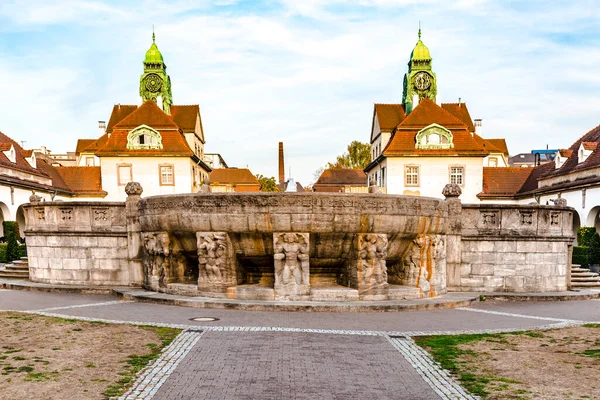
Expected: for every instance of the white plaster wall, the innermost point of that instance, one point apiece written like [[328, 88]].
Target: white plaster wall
[[434, 175], [145, 170]]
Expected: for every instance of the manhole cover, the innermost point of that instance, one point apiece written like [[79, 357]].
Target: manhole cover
[[204, 319]]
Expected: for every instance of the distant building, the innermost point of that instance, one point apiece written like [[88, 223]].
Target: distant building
[[215, 161], [536, 157], [233, 180], [282, 184], [342, 180]]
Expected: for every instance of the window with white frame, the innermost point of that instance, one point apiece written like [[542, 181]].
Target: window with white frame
[[89, 161], [493, 162], [411, 175], [457, 175], [166, 175]]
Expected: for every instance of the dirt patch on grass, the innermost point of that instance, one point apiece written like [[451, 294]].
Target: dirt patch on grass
[[53, 358], [554, 364]]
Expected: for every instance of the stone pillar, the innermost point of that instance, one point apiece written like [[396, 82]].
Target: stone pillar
[[292, 266], [216, 262], [452, 193], [134, 237], [367, 270]]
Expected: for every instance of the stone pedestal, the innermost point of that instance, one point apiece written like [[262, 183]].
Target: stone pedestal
[[291, 261], [134, 237], [216, 262], [367, 269]]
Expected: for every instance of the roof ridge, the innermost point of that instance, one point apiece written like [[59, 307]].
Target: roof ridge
[[426, 101]]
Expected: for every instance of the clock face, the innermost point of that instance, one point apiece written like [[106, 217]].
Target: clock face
[[153, 83], [422, 81]]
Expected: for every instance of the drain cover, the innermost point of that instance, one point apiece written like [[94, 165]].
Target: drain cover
[[204, 319]]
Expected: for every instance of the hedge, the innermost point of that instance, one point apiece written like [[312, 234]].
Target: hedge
[[11, 233], [585, 235], [22, 252], [580, 256]]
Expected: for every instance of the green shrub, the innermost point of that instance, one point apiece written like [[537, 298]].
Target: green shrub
[[594, 249], [585, 235], [11, 233], [580, 256], [22, 252]]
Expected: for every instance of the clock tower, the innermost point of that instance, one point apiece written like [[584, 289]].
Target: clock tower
[[420, 79], [155, 82]]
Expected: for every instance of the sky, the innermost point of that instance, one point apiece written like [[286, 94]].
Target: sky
[[304, 72]]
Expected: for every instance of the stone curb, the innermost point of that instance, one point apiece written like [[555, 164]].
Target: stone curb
[[562, 296]]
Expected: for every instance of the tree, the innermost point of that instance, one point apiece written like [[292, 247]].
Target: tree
[[11, 233], [358, 155], [267, 184]]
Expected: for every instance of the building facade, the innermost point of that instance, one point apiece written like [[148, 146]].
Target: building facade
[[419, 146]]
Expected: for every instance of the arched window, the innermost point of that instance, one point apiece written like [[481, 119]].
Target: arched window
[[144, 137], [434, 136]]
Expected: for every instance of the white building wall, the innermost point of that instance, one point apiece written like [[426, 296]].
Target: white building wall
[[146, 171], [434, 175]]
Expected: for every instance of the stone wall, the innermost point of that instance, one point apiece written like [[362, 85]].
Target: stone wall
[[511, 248], [81, 243]]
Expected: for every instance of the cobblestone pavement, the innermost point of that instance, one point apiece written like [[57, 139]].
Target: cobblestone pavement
[[295, 355]]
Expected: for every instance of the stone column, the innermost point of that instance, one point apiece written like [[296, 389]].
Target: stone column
[[216, 262], [134, 237], [292, 266], [367, 270], [452, 193]]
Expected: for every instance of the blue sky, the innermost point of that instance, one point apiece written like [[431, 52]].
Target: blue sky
[[303, 72]]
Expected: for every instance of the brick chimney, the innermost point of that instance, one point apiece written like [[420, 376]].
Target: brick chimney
[[281, 164], [478, 126]]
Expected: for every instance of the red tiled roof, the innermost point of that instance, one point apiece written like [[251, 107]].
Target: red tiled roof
[[185, 116], [147, 114], [500, 144], [565, 153], [503, 181], [57, 180], [21, 164], [119, 112], [234, 176], [460, 111], [342, 176], [5, 146], [83, 144], [426, 113], [531, 183], [389, 115], [590, 145], [82, 180]]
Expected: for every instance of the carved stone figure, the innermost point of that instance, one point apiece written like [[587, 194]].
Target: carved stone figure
[[205, 188], [292, 276], [211, 258], [156, 260], [34, 198], [373, 188], [424, 265], [373, 250]]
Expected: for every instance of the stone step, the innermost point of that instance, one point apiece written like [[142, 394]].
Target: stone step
[[585, 284], [585, 279], [4, 274], [583, 274], [575, 265], [20, 262], [12, 267], [25, 258], [573, 270]]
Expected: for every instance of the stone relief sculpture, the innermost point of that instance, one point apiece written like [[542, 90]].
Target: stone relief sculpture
[[424, 265], [292, 276], [372, 253], [212, 258], [157, 246]]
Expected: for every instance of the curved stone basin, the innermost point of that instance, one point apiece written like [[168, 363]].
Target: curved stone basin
[[338, 246]]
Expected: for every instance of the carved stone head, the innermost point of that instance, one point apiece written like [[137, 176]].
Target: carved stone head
[[452, 191]]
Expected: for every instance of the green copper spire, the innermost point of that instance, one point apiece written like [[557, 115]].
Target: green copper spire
[[155, 82], [420, 79]]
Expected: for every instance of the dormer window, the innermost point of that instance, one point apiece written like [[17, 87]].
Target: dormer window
[[585, 150], [561, 157], [9, 152], [434, 136], [143, 137]]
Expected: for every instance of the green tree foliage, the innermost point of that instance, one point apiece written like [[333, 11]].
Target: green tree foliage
[[585, 235], [594, 249], [11, 234], [580, 256], [358, 155], [267, 184]]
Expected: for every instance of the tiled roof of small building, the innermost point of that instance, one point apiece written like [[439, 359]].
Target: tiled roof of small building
[[20, 163], [503, 181], [83, 144], [500, 144], [342, 176], [590, 145], [389, 115], [572, 163], [460, 111], [82, 180], [232, 176]]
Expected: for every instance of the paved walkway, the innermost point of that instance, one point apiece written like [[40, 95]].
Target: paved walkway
[[301, 355]]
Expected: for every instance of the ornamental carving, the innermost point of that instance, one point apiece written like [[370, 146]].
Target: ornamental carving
[[489, 218], [41, 214], [34, 198], [434, 136], [554, 219], [133, 189], [424, 265], [372, 253], [292, 276], [100, 214], [526, 217], [66, 214], [212, 258], [451, 190]]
